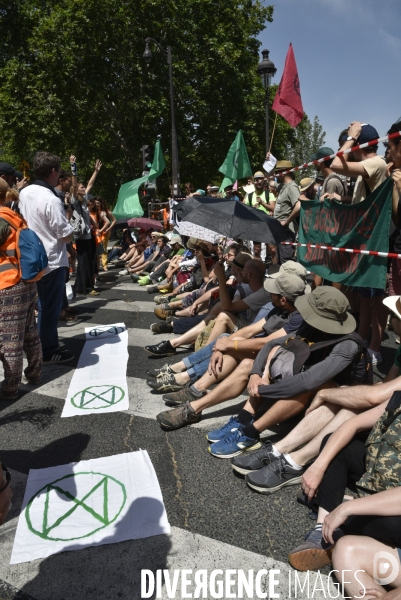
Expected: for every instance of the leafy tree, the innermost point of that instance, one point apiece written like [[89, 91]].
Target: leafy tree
[[73, 79], [309, 137]]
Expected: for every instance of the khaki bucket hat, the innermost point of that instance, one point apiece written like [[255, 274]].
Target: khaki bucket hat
[[394, 304], [326, 309]]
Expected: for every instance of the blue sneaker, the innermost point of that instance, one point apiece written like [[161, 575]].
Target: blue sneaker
[[233, 444], [220, 434]]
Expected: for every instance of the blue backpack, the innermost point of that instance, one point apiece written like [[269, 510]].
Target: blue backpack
[[29, 249]]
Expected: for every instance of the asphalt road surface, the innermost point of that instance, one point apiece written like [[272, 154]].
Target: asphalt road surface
[[217, 521]]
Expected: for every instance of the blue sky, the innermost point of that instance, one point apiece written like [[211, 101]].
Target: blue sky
[[348, 54]]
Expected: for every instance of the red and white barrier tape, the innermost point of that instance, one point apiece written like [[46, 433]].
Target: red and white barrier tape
[[352, 250], [392, 136]]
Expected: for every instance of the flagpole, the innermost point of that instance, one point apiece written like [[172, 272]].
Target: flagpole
[[274, 129]]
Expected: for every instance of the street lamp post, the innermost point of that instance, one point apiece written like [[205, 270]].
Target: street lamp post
[[266, 70], [147, 55]]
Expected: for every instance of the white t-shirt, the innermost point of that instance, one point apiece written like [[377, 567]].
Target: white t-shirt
[[45, 215]]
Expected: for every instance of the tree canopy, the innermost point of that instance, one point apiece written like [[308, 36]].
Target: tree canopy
[[73, 80]]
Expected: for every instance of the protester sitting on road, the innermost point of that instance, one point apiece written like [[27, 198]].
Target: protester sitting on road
[[139, 252], [369, 467], [282, 464], [225, 310], [45, 214], [119, 248], [370, 171], [339, 362], [232, 360], [168, 268], [161, 251], [217, 360]]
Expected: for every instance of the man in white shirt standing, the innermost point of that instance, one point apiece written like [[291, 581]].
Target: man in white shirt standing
[[45, 214]]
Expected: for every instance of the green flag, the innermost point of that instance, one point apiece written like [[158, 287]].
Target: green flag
[[237, 165], [362, 226], [128, 203]]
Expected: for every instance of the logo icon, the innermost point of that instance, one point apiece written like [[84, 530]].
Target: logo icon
[[386, 572], [96, 397], [75, 504], [114, 330]]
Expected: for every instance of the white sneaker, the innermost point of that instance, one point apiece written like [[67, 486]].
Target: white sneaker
[[376, 357], [123, 272]]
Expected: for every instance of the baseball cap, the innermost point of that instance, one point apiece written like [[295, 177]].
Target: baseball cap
[[176, 239], [287, 284], [214, 188], [200, 193], [321, 153], [6, 169], [305, 183], [368, 134], [241, 259], [326, 309], [290, 268]]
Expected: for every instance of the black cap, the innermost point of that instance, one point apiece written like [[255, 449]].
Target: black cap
[[6, 169], [19, 175]]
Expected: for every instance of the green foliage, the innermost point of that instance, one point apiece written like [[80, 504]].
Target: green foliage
[[309, 137], [73, 80]]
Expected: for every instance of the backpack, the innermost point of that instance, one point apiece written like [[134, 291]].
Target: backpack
[[383, 451], [77, 221], [290, 359], [31, 254]]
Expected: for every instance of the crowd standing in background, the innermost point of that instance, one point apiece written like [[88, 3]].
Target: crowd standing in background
[[257, 321]]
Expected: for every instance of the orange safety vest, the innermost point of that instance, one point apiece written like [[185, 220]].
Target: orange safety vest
[[10, 273]]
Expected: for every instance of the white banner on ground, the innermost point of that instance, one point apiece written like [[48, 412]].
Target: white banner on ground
[[89, 503], [99, 383]]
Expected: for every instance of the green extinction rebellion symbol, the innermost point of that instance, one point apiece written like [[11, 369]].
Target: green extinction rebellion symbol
[[96, 397], [97, 331], [57, 511]]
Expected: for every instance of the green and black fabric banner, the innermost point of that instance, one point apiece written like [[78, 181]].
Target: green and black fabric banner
[[363, 226]]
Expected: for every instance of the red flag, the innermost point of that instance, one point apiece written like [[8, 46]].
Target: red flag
[[287, 102]]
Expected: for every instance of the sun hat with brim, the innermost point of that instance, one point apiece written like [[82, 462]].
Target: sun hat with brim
[[394, 304], [283, 165], [259, 175], [305, 183], [290, 268], [176, 239], [191, 243], [326, 309], [241, 259], [287, 285]]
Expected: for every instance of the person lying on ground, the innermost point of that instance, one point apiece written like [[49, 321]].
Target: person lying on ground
[[283, 392], [253, 274], [219, 359], [369, 467]]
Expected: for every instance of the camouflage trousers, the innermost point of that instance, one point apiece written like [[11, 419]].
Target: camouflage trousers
[[18, 334]]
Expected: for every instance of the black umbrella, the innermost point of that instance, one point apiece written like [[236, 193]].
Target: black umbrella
[[236, 221], [186, 206]]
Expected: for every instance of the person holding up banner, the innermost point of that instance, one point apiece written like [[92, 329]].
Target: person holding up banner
[[370, 171]]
